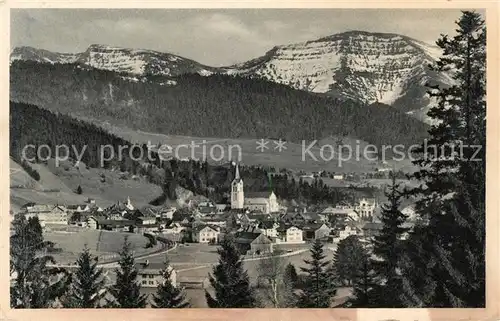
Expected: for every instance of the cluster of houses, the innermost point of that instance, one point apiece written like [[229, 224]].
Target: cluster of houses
[[255, 220], [122, 216], [256, 232]]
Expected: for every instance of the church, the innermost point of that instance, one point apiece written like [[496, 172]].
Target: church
[[264, 202]]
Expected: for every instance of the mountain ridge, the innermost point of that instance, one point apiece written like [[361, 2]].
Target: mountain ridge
[[366, 67]]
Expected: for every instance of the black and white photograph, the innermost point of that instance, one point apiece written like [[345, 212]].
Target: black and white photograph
[[247, 158]]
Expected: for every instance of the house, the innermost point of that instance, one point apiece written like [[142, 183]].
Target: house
[[143, 220], [146, 224], [150, 274], [316, 231], [290, 234], [81, 218], [193, 282], [47, 214], [349, 229], [149, 212], [167, 212], [294, 218], [341, 211], [338, 176], [313, 217], [221, 208], [365, 208], [344, 205], [300, 218], [216, 220], [206, 210], [206, 204], [253, 243], [83, 208], [115, 211], [269, 228], [173, 228], [205, 234], [111, 225]]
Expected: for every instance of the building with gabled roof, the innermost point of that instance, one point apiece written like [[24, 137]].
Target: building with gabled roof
[[316, 231], [205, 234], [150, 274], [253, 243], [47, 214], [290, 233]]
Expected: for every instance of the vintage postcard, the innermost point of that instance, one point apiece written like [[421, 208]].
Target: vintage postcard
[[250, 161]]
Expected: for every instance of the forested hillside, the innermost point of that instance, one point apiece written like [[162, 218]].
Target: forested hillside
[[30, 124], [214, 106]]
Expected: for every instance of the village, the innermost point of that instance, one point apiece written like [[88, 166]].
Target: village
[[256, 221]]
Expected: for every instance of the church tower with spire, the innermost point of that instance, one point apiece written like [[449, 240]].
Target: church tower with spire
[[237, 196]]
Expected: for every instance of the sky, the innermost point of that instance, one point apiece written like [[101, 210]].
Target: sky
[[215, 37]]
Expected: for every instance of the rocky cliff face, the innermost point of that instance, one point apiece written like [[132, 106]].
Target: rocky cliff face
[[366, 67], [134, 62]]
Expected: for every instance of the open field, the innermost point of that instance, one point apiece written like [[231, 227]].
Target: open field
[[104, 244], [293, 157]]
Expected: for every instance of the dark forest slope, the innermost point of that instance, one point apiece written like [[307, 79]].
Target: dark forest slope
[[215, 106]]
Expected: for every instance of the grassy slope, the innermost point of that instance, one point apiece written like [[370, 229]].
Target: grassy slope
[[57, 184]]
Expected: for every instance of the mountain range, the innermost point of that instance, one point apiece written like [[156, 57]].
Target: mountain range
[[361, 66]]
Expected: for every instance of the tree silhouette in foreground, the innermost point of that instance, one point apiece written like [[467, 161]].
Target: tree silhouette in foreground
[[229, 280]]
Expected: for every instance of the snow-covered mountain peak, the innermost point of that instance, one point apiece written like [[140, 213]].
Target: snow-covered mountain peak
[[135, 62], [364, 66]]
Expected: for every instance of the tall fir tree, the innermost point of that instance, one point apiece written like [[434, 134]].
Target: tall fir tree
[[348, 260], [291, 275], [366, 288], [230, 281], [452, 193], [87, 288], [126, 290], [34, 283], [387, 247], [167, 295], [318, 289]]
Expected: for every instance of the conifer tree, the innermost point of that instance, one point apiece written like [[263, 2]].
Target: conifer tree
[[366, 290], [348, 259], [452, 193], [126, 289], [291, 274], [387, 247], [34, 284], [229, 280], [87, 287], [167, 294], [318, 289]]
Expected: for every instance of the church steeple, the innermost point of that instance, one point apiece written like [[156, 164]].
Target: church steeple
[[237, 174], [237, 194]]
